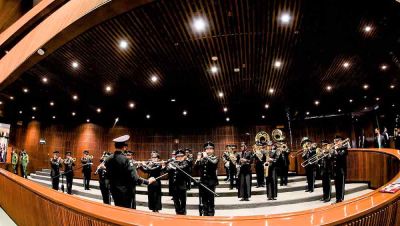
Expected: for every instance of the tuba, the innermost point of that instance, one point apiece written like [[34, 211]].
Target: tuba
[[260, 136], [278, 135]]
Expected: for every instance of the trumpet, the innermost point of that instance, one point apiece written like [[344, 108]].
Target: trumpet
[[297, 153]]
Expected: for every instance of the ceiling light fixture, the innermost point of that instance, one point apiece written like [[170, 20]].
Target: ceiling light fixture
[[351, 100], [316, 102], [214, 69], [365, 86], [227, 119], [392, 86], [285, 18], [73, 113], [54, 116], [75, 64], [199, 24], [20, 112], [108, 88], [33, 117], [87, 120], [307, 113], [154, 78], [220, 94], [225, 109], [51, 103], [25, 90], [214, 58], [123, 44], [148, 116], [277, 64], [184, 113], [346, 64], [44, 80], [271, 90], [367, 28], [11, 98], [131, 105], [75, 97], [263, 116], [236, 69], [98, 110], [34, 108], [266, 106], [329, 88], [173, 100], [384, 67]]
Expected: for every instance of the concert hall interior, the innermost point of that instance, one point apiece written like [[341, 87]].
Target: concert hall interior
[[199, 112]]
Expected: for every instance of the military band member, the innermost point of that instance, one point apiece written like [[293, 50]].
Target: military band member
[[55, 164], [283, 165], [326, 171], [153, 168], [231, 163], [271, 180], [122, 175], [24, 160], [244, 159], [207, 163], [103, 181], [308, 152], [170, 188], [14, 161], [340, 167], [86, 161], [189, 159], [178, 179], [69, 164], [259, 160]]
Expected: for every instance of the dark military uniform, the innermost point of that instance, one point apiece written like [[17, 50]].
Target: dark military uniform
[[178, 186], [55, 164], [310, 168], [283, 165], [339, 172], [69, 173], [123, 177], [326, 171], [153, 190], [103, 180], [208, 176], [189, 159], [232, 169], [86, 170], [259, 165], [271, 180], [245, 177]]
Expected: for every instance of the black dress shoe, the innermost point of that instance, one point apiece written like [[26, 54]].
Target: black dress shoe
[[226, 179], [273, 198], [307, 190], [327, 200], [246, 199], [257, 186], [321, 199], [269, 198], [242, 199], [337, 201]]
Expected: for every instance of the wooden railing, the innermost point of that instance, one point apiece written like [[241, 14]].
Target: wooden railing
[[28, 203]]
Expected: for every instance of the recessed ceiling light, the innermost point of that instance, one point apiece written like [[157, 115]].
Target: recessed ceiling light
[[316, 102], [88, 120], [271, 90], [54, 116], [225, 109], [75, 64], [131, 104], [377, 99], [392, 86], [98, 110], [11, 98], [307, 113], [214, 69], [73, 113], [236, 69], [199, 24], [221, 94], [351, 100], [108, 88], [262, 116], [266, 106], [384, 67], [44, 80], [34, 108], [214, 58], [154, 78], [75, 97], [173, 100], [365, 86], [184, 113], [227, 119], [393, 105], [277, 64], [367, 28], [51, 103], [40, 52], [1, 102], [123, 44], [33, 117], [329, 88], [346, 64], [148, 116], [20, 112], [339, 110], [25, 90], [285, 18], [365, 108]]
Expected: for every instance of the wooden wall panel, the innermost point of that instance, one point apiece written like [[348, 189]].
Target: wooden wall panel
[[96, 139]]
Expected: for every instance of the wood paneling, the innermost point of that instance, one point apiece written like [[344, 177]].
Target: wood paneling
[[26, 200]]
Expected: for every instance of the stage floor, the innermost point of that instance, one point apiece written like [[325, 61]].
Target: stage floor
[[290, 198]]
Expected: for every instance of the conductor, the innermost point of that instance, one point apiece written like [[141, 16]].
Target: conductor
[[122, 174]]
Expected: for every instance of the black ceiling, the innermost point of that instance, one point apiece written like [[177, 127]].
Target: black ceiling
[[319, 39]]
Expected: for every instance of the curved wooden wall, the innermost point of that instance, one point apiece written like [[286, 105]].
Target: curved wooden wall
[[28, 203]]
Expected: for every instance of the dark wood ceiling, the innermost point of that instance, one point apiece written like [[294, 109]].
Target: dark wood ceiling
[[319, 39]]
